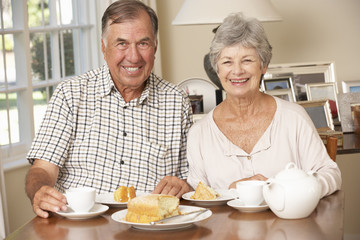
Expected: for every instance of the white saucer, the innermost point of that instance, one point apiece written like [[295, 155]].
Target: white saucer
[[108, 199], [239, 205], [183, 222], [225, 196], [95, 211]]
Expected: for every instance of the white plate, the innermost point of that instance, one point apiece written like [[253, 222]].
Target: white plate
[[199, 86], [181, 222], [95, 211], [225, 196], [239, 205], [108, 199]]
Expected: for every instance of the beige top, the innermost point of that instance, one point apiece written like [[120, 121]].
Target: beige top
[[291, 137]]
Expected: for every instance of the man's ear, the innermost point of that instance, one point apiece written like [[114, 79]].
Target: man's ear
[[103, 46], [156, 45]]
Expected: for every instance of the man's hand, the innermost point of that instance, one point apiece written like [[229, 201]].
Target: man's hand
[[40, 182], [47, 199], [172, 185], [258, 177]]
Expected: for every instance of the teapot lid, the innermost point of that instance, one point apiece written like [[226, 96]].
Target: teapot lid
[[291, 172]]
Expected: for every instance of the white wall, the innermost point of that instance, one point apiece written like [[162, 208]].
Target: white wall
[[311, 31]]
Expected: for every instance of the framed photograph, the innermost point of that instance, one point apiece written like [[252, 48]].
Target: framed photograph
[[350, 86], [347, 102], [285, 94], [319, 112], [197, 104], [303, 73], [321, 91], [277, 83]]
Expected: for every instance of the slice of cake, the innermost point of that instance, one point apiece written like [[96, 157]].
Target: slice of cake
[[204, 192], [152, 207], [124, 194]]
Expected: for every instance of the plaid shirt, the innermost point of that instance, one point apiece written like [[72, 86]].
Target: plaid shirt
[[99, 140]]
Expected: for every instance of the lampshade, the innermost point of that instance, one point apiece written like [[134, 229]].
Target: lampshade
[[214, 11]]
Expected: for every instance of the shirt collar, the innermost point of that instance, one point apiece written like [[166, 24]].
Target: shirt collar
[[148, 96], [105, 84], [263, 144]]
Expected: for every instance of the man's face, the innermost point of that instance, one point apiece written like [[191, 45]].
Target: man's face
[[129, 49]]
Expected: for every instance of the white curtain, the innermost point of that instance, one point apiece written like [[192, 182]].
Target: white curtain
[[3, 209], [2, 222]]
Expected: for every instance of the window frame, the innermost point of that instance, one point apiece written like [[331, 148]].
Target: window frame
[[86, 57]]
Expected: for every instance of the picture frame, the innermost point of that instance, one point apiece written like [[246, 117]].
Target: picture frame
[[286, 94], [303, 73], [319, 91], [276, 83], [319, 112], [350, 86], [197, 103], [285, 82], [346, 101]]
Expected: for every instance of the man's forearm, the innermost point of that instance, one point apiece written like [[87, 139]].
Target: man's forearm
[[35, 179]]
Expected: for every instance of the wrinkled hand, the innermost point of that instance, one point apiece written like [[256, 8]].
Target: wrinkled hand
[[172, 185], [46, 200], [258, 177]]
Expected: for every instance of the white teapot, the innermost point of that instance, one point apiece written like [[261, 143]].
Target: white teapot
[[293, 193]]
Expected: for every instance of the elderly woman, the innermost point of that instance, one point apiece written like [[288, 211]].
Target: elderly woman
[[252, 135]]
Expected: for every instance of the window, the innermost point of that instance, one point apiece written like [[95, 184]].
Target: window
[[47, 42]]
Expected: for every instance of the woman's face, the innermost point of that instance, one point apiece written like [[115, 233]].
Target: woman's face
[[239, 70]]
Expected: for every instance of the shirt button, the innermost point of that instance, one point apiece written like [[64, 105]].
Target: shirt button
[[122, 162], [249, 157], [124, 134]]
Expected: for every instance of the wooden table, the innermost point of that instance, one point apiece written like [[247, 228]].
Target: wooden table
[[326, 222]]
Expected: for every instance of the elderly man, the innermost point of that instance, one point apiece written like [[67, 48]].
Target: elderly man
[[116, 125]]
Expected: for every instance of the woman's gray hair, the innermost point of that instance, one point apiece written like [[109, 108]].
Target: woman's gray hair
[[235, 29]]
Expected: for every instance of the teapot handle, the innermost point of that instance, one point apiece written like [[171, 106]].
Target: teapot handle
[[315, 175]]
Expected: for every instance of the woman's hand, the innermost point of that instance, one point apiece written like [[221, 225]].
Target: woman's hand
[[258, 177]]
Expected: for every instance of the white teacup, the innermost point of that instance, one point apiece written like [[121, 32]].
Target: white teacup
[[249, 192], [81, 199]]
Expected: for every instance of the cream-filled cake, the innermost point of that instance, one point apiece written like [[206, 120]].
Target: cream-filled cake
[[152, 207]]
